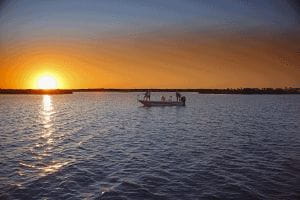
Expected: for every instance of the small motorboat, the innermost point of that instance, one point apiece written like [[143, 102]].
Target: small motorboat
[[148, 103], [163, 102]]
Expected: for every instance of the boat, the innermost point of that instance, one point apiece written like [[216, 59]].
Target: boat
[[148, 103]]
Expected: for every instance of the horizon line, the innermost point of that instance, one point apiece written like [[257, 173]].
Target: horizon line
[[227, 88]]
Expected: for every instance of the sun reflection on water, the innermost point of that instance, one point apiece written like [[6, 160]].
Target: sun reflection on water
[[53, 167], [46, 115], [47, 103], [44, 149], [47, 120]]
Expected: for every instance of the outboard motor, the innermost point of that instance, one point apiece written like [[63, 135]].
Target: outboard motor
[[183, 99]]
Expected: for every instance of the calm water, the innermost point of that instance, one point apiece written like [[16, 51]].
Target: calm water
[[105, 146]]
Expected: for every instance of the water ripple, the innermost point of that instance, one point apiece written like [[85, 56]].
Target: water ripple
[[106, 146]]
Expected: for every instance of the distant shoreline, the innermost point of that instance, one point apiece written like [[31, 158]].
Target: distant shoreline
[[246, 91], [35, 92]]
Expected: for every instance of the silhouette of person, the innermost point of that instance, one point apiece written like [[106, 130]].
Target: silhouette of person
[[147, 95], [178, 96]]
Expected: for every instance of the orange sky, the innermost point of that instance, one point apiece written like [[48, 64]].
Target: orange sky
[[165, 44], [178, 60]]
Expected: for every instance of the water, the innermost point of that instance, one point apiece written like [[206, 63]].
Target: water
[[105, 146]]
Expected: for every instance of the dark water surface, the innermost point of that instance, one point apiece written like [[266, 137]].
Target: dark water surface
[[105, 146]]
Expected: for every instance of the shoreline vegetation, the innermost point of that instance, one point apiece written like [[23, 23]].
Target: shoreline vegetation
[[246, 91]]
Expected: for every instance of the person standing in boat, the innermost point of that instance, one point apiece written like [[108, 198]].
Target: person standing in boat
[[178, 96], [147, 95]]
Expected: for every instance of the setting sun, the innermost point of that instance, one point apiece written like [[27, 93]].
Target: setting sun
[[47, 82]]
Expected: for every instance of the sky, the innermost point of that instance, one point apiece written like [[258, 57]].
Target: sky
[[150, 44]]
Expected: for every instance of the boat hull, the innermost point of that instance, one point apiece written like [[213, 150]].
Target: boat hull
[[162, 103]]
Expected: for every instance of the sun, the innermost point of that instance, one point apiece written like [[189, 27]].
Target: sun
[[47, 82]]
